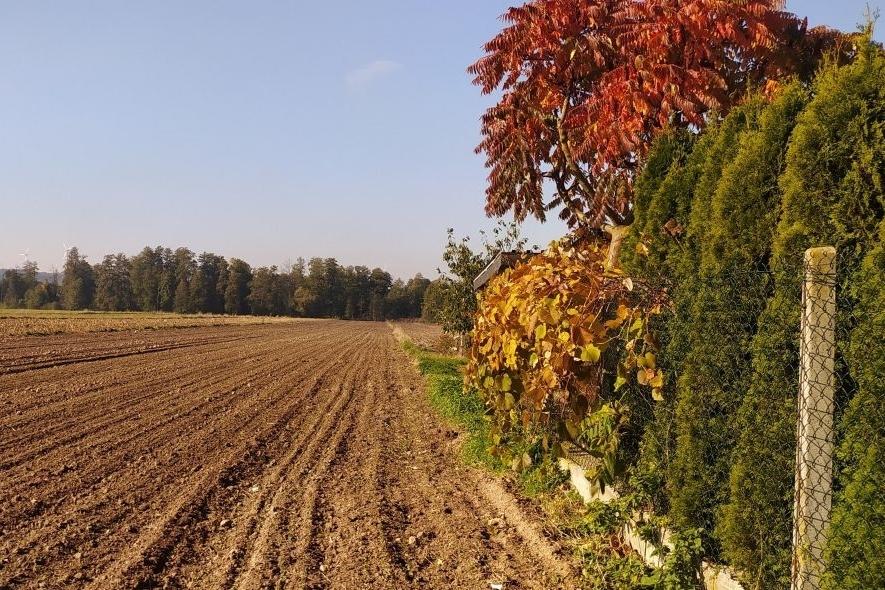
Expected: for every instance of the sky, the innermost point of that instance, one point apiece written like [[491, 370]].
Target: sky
[[262, 130]]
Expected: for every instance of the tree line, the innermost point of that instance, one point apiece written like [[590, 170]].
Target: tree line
[[162, 279]]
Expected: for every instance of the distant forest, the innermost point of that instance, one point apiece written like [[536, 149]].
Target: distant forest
[[161, 279]]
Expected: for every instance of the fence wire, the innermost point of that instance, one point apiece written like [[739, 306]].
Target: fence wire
[[766, 363]]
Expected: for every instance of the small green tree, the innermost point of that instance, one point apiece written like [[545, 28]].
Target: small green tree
[[463, 264], [434, 300]]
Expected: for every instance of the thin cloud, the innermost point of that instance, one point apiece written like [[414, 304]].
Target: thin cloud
[[369, 73]]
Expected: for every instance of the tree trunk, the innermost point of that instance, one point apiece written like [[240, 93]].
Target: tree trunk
[[617, 233]]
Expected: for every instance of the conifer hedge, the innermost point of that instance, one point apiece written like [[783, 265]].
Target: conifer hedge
[[857, 533], [831, 195], [725, 219]]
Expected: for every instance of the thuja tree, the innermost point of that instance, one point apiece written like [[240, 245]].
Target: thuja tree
[[663, 199], [857, 531], [587, 84], [832, 195], [727, 295], [675, 224], [660, 212], [730, 294], [670, 225], [670, 213]]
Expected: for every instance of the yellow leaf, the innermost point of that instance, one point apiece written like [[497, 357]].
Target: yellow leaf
[[509, 401], [658, 381], [506, 382], [550, 377], [590, 353]]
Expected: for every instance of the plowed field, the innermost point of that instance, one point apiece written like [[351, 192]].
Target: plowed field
[[290, 455]]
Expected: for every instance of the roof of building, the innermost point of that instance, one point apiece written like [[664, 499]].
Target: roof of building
[[502, 261]]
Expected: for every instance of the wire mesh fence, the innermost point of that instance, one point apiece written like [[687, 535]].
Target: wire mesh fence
[[756, 440]]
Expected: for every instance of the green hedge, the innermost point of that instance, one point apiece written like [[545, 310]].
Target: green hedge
[[857, 533], [665, 200], [705, 396], [832, 195], [745, 198]]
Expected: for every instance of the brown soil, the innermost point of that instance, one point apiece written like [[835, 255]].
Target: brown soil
[[297, 455]]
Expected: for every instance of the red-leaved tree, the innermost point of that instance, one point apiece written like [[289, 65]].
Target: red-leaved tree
[[586, 85]]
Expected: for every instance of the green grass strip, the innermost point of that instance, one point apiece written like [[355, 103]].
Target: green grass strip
[[463, 408]]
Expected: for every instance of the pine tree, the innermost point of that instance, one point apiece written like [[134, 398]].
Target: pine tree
[[206, 294], [78, 284], [266, 293], [236, 294], [184, 270]]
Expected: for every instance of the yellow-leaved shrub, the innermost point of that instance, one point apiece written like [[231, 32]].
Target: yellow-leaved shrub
[[561, 345]]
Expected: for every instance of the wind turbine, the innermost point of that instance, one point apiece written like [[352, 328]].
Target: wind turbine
[[25, 254]]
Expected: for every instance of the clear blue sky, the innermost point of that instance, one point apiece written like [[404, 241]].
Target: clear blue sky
[[265, 130]]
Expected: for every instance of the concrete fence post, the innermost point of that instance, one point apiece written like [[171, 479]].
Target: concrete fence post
[[814, 449]]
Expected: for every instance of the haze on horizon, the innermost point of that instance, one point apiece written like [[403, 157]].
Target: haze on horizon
[[265, 131]]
